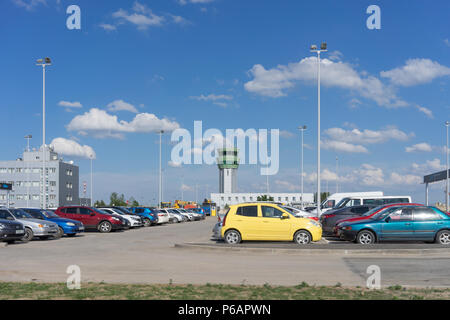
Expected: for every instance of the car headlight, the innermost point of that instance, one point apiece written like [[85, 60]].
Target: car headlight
[[2, 226], [70, 224], [314, 223]]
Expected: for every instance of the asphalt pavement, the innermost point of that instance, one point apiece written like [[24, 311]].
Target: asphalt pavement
[[149, 255]]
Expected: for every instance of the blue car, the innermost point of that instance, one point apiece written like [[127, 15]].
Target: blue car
[[400, 223], [150, 216], [68, 227]]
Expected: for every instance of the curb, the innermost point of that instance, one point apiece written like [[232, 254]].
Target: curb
[[304, 251]]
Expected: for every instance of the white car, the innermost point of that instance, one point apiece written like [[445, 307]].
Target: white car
[[174, 216], [300, 213], [135, 220], [163, 217], [189, 216]]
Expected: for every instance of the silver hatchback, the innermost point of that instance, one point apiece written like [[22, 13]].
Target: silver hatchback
[[35, 228]]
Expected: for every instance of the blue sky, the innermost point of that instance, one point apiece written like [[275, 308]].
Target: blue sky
[[233, 64]]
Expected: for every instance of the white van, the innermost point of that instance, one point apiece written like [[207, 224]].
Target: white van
[[373, 200], [333, 199]]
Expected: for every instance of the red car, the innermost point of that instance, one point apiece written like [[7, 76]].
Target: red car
[[372, 212], [93, 218]]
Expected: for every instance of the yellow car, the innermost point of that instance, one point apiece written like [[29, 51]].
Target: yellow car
[[267, 221]]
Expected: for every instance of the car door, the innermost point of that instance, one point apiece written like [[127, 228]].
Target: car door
[[273, 227], [247, 222], [398, 225], [426, 222], [71, 213], [88, 217]]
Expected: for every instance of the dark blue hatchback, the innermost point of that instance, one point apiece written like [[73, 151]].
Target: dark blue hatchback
[[66, 226], [400, 223], [150, 217]]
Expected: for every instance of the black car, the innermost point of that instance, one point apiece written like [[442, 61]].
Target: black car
[[330, 218], [10, 231]]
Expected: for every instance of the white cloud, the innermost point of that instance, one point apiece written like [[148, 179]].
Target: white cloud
[[447, 42], [174, 164], [68, 104], [120, 105], [212, 97], [370, 175], [141, 16], [407, 179], [101, 124], [184, 2], [72, 148], [416, 71], [107, 27], [286, 185], [426, 111], [367, 136], [428, 167], [423, 147], [29, 4], [274, 82], [342, 146], [286, 134]]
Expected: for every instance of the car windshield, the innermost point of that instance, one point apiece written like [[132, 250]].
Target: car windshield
[[384, 213], [20, 214], [49, 214], [124, 210], [100, 211], [370, 212], [342, 203]]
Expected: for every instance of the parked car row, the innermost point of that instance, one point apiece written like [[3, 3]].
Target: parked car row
[[25, 224], [363, 224]]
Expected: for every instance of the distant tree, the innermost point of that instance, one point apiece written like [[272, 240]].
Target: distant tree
[[116, 200], [264, 198], [323, 196], [132, 202], [100, 203]]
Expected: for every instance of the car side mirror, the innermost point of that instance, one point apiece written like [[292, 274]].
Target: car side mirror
[[92, 214], [388, 219], [284, 216]]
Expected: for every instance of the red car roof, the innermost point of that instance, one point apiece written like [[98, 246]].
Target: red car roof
[[384, 207]]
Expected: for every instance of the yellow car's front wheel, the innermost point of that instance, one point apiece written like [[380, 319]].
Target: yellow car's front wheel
[[302, 237], [232, 237]]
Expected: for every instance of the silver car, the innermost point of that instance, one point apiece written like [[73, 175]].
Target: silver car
[[43, 229]]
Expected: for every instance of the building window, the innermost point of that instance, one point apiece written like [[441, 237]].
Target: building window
[[35, 197], [36, 184], [52, 196], [52, 170], [3, 170], [19, 170], [10, 170], [52, 183]]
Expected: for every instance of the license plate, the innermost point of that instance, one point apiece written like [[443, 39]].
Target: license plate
[[19, 231], [81, 228]]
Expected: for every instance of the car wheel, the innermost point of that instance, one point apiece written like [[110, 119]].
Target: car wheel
[[147, 222], [232, 237], [443, 237], [365, 237], [59, 234], [302, 237], [28, 235], [105, 227]]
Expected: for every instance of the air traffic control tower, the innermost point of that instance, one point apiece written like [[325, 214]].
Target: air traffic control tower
[[228, 163]]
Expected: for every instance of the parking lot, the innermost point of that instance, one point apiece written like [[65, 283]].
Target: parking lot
[[149, 255]]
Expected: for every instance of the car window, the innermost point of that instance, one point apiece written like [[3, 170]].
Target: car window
[[4, 214], [71, 210], [84, 211], [271, 212], [425, 214], [36, 215], [401, 214], [248, 211]]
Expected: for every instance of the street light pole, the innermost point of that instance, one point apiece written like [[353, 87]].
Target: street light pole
[[323, 48], [447, 123], [302, 129], [337, 176], [28, 137], [160, 172], [92, 186], [43, 62]]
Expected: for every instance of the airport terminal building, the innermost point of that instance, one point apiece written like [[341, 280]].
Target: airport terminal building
[[25, 175]]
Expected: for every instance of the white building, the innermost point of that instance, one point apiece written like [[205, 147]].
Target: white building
[[223, 199]]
